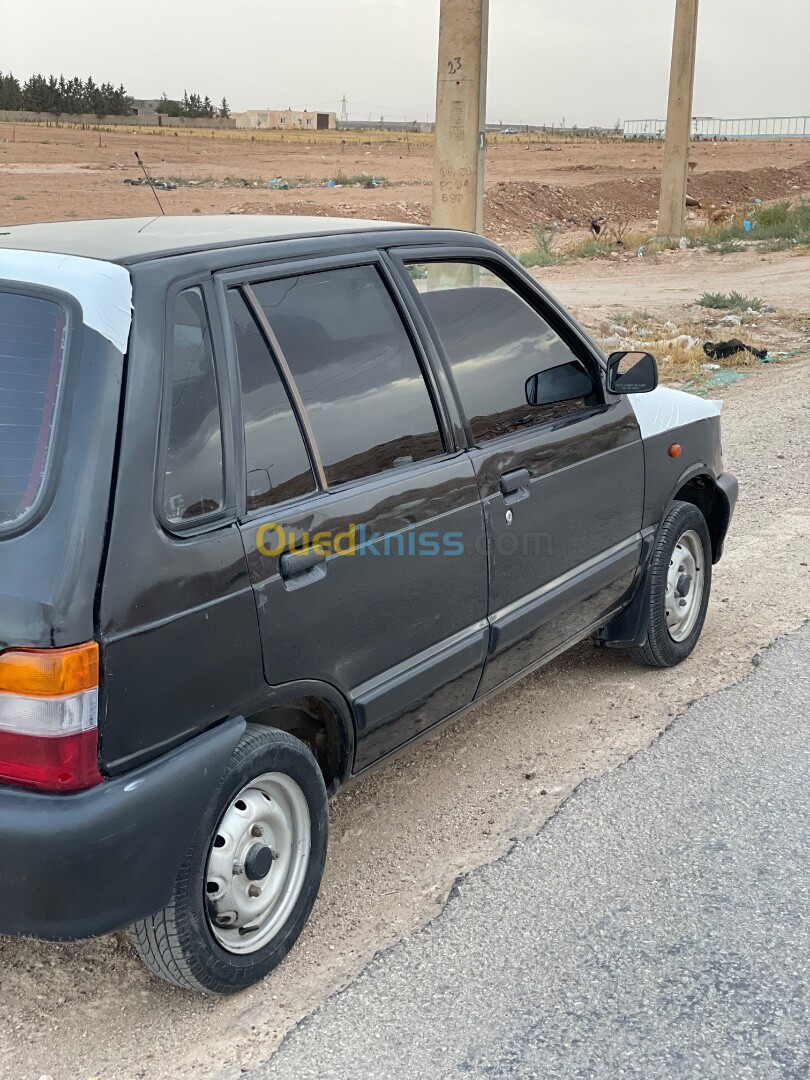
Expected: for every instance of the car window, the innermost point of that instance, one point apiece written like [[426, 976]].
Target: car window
[[32, 349], [355, 368], [277, 463], [194, 484], [495, 343]]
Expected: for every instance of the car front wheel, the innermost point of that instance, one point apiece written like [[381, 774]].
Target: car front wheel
[[250, 878], [680, 582]]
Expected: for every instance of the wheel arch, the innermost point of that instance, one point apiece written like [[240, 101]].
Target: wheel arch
[[318, 715], [700, 487]]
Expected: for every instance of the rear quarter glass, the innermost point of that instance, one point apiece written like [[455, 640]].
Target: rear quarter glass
[[33, 338]]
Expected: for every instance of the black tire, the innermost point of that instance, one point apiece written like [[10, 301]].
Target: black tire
[[177, 943], [660, 649]]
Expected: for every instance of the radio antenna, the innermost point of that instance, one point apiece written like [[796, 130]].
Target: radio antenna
[[149, 181]]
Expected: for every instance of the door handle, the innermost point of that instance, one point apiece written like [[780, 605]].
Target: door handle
[[293, 564], [515, 486]]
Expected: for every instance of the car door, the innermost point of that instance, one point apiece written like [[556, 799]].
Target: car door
[[362, 523], [562, 478]]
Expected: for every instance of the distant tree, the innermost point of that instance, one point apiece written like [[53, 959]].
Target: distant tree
[[224, 110], [60, 95], [169, 107], [74, 95], [10, 92], [52, 104]]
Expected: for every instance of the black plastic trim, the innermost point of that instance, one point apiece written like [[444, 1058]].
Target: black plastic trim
[[76, 866]]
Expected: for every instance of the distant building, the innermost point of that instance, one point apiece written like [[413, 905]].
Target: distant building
[[144, 105], [285, 120]]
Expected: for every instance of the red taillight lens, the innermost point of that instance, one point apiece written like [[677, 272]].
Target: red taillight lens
[[49, 718], [64, 763]]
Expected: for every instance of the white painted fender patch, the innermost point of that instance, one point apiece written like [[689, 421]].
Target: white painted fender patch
[[102, 289], [664, 409]]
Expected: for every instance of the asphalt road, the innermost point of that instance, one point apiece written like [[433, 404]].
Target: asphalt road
[[656, 927]]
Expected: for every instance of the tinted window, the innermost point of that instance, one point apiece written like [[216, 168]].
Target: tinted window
[[278, 466], [355, 368], [194, 483], [495, 342], [32, 347]]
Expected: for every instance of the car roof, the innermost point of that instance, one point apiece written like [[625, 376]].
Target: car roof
[[133, 239]]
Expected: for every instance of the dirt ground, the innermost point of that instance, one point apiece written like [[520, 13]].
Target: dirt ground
[[50, 173], [399, 838]]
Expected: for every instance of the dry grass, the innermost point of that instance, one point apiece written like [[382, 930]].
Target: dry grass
[[678, 348], [326, 137]]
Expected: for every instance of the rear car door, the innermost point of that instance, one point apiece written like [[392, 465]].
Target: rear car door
[[562, 480], [361, 519]]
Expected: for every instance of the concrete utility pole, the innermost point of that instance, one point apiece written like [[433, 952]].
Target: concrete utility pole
[[672, 206], [461, 97]]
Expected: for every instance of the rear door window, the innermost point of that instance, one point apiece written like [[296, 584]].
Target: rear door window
[[356, 370], [277, 464], [32, 354]]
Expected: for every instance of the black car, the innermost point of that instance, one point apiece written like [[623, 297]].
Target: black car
[[277, 497]]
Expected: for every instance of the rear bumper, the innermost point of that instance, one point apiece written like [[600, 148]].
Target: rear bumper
[[74, 866]]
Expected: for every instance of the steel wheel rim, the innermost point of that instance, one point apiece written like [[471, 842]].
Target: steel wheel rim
[[246, 908], [685, 583]]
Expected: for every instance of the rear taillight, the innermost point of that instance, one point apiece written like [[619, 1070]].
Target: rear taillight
[[49, 718]]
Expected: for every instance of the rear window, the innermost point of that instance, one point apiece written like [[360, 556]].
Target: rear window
[[32, 349]]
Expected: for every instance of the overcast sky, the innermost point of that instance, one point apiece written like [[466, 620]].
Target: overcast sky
[[590, 61]]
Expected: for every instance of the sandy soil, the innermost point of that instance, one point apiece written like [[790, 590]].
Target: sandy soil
[[671, 280], [400, 837], [54, 173]]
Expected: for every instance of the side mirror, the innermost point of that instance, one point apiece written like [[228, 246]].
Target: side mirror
[[562, 383], [631, 373]]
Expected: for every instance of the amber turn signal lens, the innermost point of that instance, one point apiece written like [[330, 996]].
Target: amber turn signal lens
[[49, 672], [675, 450]]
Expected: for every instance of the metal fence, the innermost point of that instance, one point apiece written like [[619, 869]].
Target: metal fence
[[713, 127]]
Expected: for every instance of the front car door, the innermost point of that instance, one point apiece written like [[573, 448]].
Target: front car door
[[361, 518], [562, 479]]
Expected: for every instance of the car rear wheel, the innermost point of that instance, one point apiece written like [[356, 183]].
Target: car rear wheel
[[680, 583], [250, 878]]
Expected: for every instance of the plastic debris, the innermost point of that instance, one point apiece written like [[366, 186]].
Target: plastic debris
[[140, 181], [710, 367], [731, 320], [747, 225], [721, 350], [723, 378], [684, 341], [719, 379], [642, 251], [683, 243]]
